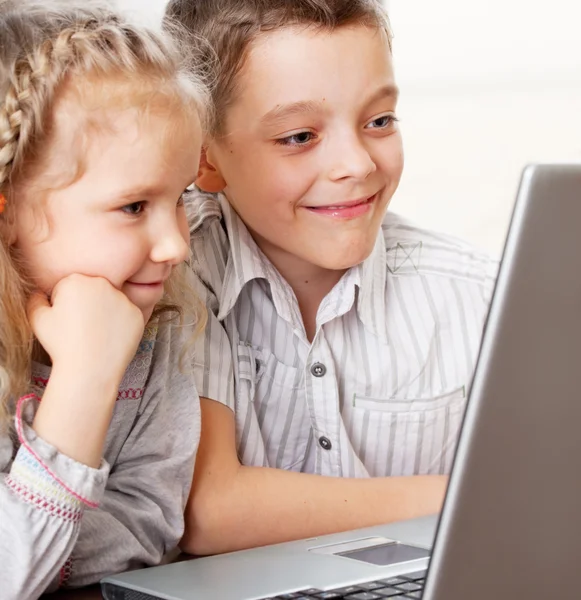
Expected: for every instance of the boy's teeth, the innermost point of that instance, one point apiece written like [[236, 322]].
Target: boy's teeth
[[340, 206]]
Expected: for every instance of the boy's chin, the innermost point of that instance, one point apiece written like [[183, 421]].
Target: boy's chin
[[342, 259]]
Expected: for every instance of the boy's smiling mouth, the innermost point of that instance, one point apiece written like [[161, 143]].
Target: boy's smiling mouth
[[349, 209]]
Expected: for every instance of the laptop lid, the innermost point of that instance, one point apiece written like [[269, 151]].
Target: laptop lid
[[511, 524]]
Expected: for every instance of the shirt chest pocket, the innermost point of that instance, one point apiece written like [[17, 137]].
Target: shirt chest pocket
[[408, 435], [272, 420]]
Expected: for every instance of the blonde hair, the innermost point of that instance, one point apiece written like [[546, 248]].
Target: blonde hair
[[230, 27], [43, 44]]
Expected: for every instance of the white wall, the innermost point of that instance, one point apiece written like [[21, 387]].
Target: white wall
[[147, 11], [487, 86]]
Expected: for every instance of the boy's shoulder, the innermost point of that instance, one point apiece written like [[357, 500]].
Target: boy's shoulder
[[209, 243], [414, 250], [202, 209]]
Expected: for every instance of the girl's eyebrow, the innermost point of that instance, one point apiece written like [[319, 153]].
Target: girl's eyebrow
[[137, 193], [141, 192]]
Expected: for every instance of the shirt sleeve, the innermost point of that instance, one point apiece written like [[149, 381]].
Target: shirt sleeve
[[141, 515], [43, 495]]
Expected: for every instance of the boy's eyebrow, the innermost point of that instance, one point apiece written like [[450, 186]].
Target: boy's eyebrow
[[386, 91], [280, 112]]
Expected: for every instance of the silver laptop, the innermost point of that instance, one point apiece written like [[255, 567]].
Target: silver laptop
[[511, 524]]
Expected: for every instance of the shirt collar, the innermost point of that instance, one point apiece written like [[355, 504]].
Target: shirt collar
[[246, 262], [372, 285], [364, 284]]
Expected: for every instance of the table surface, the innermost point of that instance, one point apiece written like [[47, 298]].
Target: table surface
[[90, 593]]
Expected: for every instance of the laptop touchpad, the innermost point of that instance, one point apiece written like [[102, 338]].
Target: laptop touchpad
[[387, 554], [375, 551]]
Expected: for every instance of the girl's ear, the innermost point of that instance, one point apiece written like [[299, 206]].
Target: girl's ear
[[209, 177]]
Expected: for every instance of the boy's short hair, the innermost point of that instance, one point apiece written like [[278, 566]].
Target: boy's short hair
[[231, 26]]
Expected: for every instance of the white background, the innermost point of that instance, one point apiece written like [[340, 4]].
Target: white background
[[487, 86]]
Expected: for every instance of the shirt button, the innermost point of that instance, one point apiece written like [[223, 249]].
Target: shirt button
[[325, 443], [318, 370]]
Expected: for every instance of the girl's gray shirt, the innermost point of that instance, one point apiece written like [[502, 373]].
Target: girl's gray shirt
[[63, 523]]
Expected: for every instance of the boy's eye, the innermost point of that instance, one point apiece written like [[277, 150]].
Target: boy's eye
[[382, 122], [134, 209], [296, 139]]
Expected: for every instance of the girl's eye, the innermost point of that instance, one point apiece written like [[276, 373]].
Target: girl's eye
[[134, 209], [382, 122], [297, 139]]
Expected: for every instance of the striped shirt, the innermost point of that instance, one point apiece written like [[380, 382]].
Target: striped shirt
[[382, 387]]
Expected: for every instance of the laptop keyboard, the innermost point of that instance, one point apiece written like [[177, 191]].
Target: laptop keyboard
[[408, 586]]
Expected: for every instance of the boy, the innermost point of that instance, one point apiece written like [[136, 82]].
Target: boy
[[354, 334]]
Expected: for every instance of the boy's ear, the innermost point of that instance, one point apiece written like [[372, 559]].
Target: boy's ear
[[209, 177]]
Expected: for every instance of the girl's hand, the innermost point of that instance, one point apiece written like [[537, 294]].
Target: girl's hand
[[88, 327], [91, 331]]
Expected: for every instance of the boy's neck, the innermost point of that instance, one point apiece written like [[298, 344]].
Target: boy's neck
[[310, 283]]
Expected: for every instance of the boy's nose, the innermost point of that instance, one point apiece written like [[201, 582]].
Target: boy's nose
[[351, 160]]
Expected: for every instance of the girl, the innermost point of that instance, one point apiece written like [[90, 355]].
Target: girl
[[99, 135]]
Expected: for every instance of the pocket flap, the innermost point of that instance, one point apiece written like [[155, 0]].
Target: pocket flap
[[400, 404]]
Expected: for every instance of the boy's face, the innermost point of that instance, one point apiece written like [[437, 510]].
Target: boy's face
[[311, 154]]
